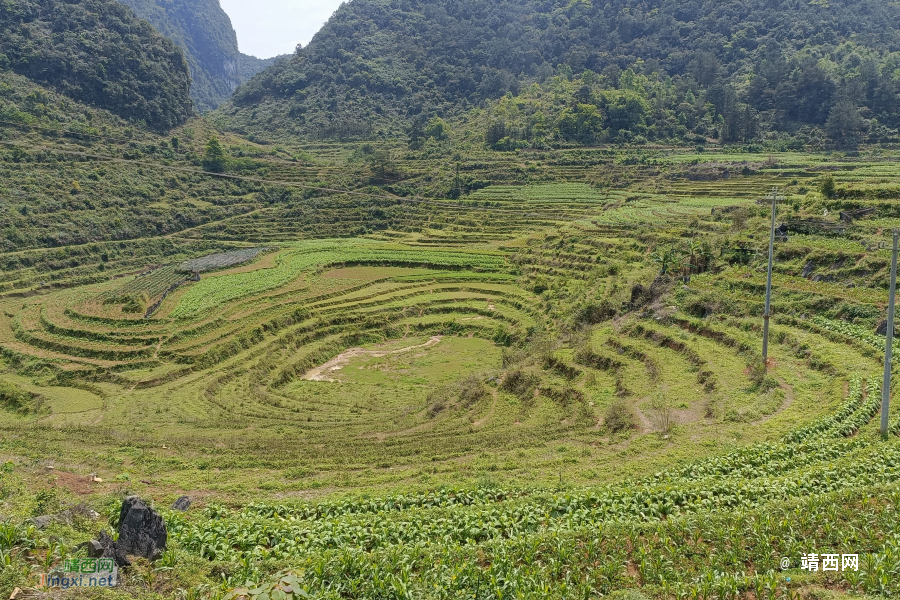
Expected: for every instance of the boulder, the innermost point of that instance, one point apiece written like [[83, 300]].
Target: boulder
[[882, 328], [94, 548], [182, 504], [105, 547], [142, 530], [111, 549], [43, 521]]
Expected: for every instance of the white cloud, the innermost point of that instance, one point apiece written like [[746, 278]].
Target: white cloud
[[270, 27]]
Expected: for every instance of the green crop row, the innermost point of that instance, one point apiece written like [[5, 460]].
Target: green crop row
[[216, 291]]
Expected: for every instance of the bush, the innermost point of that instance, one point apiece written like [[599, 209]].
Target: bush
[[593, 313], [521, 384], [618, 417], [826, 186], [14, 398], [759, 376], [471, 390]]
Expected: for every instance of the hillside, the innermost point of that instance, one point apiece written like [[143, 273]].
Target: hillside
[[510, 345], [98, 53], [377, 66], [204, 32], [548, 388]]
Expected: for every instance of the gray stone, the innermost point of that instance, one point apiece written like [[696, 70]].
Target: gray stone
[[112, 549], [94, 548], [43, 521], [142, 530], [182, 504], [882, 328]]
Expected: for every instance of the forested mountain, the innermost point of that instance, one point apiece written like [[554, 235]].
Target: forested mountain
[[97, 52], [737, 70], [203, 30]]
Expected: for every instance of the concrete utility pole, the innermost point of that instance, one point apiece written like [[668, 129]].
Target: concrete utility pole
[[768, 313], [889, 347]]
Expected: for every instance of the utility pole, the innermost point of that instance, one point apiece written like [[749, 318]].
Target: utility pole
[[458, 187], [889, 347], [768, 313]]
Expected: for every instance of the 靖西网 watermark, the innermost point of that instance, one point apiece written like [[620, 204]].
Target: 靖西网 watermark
[[814, 562], [82, 572]]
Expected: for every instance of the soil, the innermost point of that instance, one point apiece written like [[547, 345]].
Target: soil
[[321, 373]]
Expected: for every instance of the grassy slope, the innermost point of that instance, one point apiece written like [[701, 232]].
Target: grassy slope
[[213, 403]]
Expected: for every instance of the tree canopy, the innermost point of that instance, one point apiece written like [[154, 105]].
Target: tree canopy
[[97, 52], [379, 64]]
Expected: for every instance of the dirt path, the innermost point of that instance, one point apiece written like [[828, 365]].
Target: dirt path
[[788, 400], [323, 372], [489, 414]]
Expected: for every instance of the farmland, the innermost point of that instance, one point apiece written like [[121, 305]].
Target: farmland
[[548, 384]]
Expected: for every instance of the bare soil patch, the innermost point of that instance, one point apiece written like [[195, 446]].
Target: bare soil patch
[[323, 372]]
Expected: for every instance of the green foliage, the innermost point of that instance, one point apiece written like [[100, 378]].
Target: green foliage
[[214, 157], [437, 129], [757, 73], [827, 187], [98, 53], [618, 417], [14, 398], [205, 34]]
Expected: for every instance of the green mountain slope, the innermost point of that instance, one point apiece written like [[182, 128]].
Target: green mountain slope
[[378, 65], [203, 30], [97, 52]]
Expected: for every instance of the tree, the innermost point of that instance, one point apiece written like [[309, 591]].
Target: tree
[[214, 157], [845, 125], [666, 259], [826, 186], [581, 124], [416, 134], [437, 129], [625, 112], [496, 131]]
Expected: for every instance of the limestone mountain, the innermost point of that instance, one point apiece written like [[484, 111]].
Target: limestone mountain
[[98, 53], [204, 31], [379, 66]]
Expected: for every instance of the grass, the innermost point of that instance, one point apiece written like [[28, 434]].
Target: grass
[[421, 467]]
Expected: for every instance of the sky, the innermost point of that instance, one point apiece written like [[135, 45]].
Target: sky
[[267, 28]]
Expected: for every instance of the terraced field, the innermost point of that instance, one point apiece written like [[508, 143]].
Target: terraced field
[[546, 387]]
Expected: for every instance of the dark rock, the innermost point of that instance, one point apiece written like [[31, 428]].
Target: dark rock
[[142, 530], [808, 269], [43, 521], [94, 548], [882, 328], [112, 549], [182, 504]]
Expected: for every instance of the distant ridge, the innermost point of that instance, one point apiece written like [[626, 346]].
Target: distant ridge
[[204, 32], [379, 65], [98, 53]]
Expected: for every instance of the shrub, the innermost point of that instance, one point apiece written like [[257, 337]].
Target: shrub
[[471, 389], [759, 376], [14, 398], [618, 417], [826, 186], [521, 384]]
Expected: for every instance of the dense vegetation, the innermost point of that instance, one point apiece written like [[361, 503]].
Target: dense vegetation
[[203, 31], [96, 52], [734, 71]]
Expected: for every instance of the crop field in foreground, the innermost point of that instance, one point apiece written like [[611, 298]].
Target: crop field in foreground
[[548, 387]]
